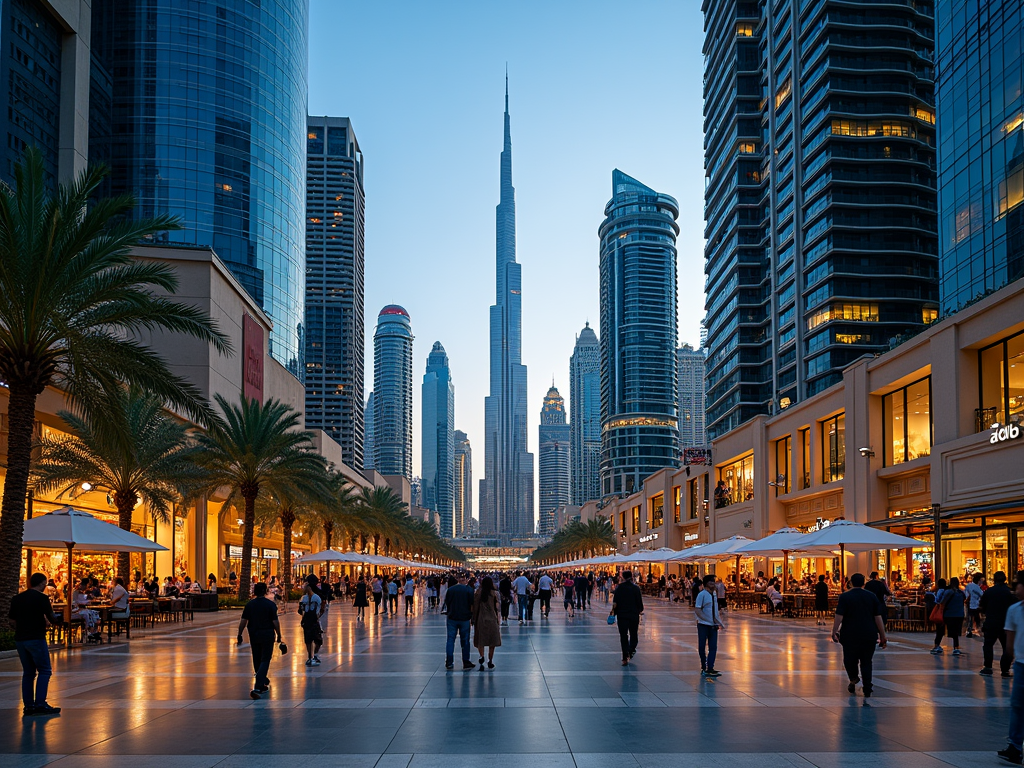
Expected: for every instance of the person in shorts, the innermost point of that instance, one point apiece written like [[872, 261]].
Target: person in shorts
[[310, 608]]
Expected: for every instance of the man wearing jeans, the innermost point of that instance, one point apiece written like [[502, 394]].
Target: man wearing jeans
[[705, 608], [1015, 639], [31, 613], [458, 602], [522, 587]]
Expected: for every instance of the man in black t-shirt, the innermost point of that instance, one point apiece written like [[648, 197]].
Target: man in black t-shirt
[[31, 613], [260, 615], [627, 605], [857, 627]]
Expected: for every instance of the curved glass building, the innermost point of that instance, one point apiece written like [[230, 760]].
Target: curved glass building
[[639, 398], [207, 121], [392, 392]]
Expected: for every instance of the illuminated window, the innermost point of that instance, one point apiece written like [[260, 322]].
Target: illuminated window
[[638, 421], [748, 148], [622, 523], [833, 444], [907, 423], [636, 520], [311, 135], [1010, 191], [842, 127], [929, 315], [657, 511], [694, 499], [226, 187], [676, 503], [852, 338], [1002, 383], [739, 480], [314, 220], [867, 313], [804, 436], [744, 30], [783, 464], [922, 113], [783, 92], [1016, 122]]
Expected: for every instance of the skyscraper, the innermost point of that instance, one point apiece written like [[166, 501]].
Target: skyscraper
[[639, 396], [552, 461], [463, 495], [585, 418], [980, 103], [821, 236], [437, 460], [335, 204], [506, 501], [368, 441], [207, 122], [392, 393], [690, 366]]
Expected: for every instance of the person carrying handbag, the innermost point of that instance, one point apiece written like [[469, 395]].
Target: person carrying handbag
[[936, 614]]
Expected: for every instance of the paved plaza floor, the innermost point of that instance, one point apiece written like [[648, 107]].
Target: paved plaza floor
[[557, 697]]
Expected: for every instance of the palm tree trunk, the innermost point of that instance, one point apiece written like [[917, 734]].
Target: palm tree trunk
[[328, 534], [376, 544], [125, 503], [286, 553], [245, 573], [21, 412], [352, 542]]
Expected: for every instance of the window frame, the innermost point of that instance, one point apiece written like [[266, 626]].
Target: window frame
[[830, 469], [787, 464], [888, 455], [1003, 408]]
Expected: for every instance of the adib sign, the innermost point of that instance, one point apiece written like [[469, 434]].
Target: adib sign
[[1000, 434]]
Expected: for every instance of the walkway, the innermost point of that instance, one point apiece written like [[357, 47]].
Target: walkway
[[383, 699]]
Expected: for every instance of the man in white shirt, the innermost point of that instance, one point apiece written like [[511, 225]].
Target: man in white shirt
[[310, 608], [705, 609], [1014, 629], [522, 588], [545, 586], [973, 592]]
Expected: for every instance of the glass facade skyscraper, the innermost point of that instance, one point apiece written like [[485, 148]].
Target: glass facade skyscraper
[[462, 498], [820, 201], [585, 417], [368, 442], [552, 461], [437, 461], [639, 396], [691, 369], [980, 103], [335, 281], [506, 492], [208, 123], [392, 393]]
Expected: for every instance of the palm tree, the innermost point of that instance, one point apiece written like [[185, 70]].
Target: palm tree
[[125, 443], [72, 303], [254, 447], [336, 508], [382, 513], [578, 539]]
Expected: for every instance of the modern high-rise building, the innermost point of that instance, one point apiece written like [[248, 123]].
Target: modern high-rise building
[[980, 111], [690, 370], [639, 395], [506, 497], [462, 499], [392, 393], [208, 123], [335, 224], [368, 441], [585, 418], [552, 461], [437, 460], [44, 67], [819, 127]]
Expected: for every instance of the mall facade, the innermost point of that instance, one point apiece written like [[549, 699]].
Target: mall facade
[[206, 537], [925, 440]]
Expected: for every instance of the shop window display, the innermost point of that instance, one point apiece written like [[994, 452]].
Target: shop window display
[[833, 440], [738, 478], [907, 423], [1001, 373]]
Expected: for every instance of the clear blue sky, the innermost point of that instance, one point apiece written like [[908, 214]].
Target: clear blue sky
[[593, 86]]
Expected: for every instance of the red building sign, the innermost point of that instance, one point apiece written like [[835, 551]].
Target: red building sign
[[252, 359]]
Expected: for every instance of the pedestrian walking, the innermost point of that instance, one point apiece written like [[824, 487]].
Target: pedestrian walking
[[580, 590], [721, 594], [567, 595], [994, 604], [544, 586], [326, 593], [260, 617], [310, 608], [505, 591], [377, 588], [522, 589], [709, 622], [361, 602], [458, 602], [858, 627], [409, 591], [30, 614], [954, 612], [446, 581], [936, 596], [820, 601], [879, 589], [1014, 629], [973, 591], [393, 589], [485, 621], [627, 605]]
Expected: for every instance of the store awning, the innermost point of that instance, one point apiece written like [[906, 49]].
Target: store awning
[[928, 518]]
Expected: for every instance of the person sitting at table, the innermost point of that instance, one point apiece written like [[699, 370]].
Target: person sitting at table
[[94, 588], [774, 597], [196, 587], [170, 588], [211, 583], [90, 618]]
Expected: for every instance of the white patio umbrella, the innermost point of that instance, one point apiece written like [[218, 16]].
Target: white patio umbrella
[[850, 536], [651, 555], [72, 529], [329, 556], [782, 543], [719, 550]]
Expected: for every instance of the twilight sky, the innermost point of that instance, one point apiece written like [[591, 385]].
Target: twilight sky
[[593, 86]]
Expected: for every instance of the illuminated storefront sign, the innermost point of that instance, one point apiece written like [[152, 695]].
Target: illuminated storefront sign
[[1004, 433], [691, 536], [235, 552], [649, 537]]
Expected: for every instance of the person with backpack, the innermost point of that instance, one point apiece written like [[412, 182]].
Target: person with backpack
[[323, 589], [310, 608]]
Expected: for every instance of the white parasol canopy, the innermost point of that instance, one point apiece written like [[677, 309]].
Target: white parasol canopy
[[852, 537], [329, 556], [651, 555], [67, 528], [720, 550]]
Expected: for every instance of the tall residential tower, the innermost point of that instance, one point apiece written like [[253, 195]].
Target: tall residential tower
[[392, 393], [506, 501], [819, 152], [585, 418], [463, 495], [335, 204], [691, 371], [437, 461], [639, 396], [552, 461]]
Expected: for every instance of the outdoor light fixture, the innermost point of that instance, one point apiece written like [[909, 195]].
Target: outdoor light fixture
[[867, 453], [86, 486]]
